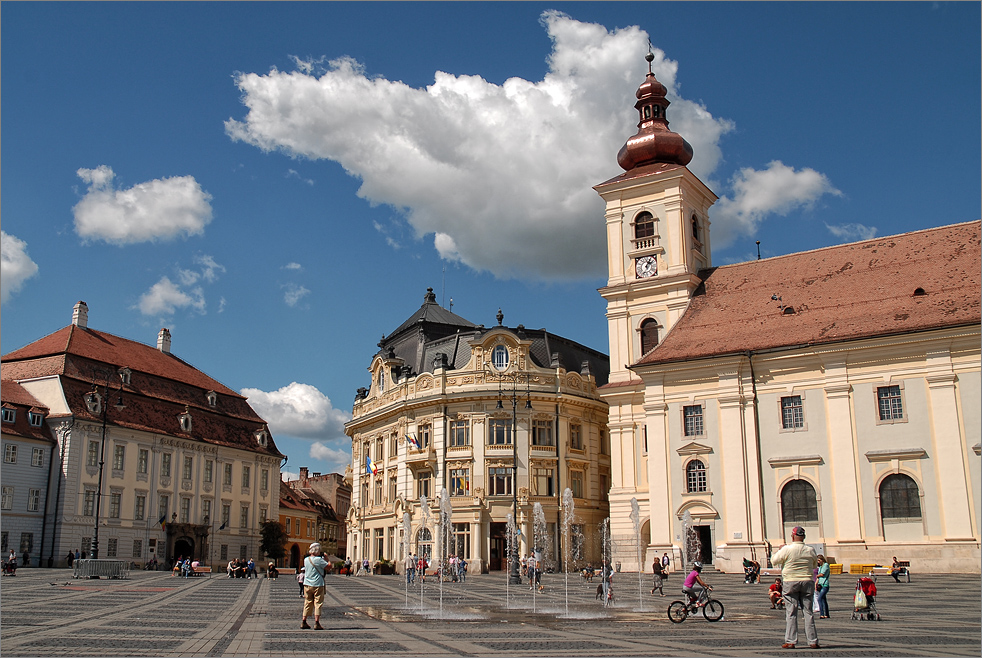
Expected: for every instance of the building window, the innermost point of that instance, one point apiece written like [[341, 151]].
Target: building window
[[792, 413], [9, 415], [119, 453], [264, 479], [246, 476], [88, 503], [165, 465], [542, 433], [604, 486], [799, 503], [33, 500], [289, 525], [227, 475], [163, 505], [575, 437], [262, 514], [543, 482], [188, 467], [142, 461], [37, 457], [499, 481], [113, 548], [137, 548], [424, 437], [244, 516], [209, 470], [35, 419], [461, 540], [381, 380], [394, 445], [692, 420], [604, 442], [206, 511], [695, 228], [460, 433], [10, 453], [223, 552], [185, 510], [92, 454], [576, 483], [7, 498], [423, 484], [379, 449], [460, 481], [212, 398], [364, 492], [379, 544], [378, 491], [644, 226], [695, 477], [393, 487], [900, 498], [649, 335], [890, 402], [499, 432], [115, 502], [140, 507], [499, 357]]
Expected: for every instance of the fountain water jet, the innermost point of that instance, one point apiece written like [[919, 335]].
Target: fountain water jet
[[568, 506], [510, 542], [426, 521], [636, 520], [407, 526], [446, 511]]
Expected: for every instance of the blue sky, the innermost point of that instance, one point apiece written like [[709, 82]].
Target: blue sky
[[279, 183]]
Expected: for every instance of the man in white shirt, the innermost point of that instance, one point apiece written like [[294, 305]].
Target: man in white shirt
[[797, 561]]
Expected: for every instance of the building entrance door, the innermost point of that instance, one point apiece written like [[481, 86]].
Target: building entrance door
[[497, 558], [705, 534]]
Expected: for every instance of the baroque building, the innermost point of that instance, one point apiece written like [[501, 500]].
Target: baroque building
[[502, 419], [154, 458], [836, 389]]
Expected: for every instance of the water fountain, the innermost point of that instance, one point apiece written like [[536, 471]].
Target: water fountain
[[407, 526], [568, 507], [606, 550], [426, 520], [509, 555], [539, 543], [691, 546], [636, 521], [446, 511]]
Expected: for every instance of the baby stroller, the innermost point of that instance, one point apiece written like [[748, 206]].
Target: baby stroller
[[865, 600], [10, 568]]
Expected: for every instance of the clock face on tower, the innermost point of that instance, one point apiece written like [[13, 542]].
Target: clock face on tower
[[646, 266]]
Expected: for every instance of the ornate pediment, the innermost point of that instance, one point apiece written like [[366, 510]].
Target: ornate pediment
[[896, 453], [693, 448], [802, 460]]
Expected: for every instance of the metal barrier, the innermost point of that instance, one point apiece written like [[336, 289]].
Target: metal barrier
[[101, 569]]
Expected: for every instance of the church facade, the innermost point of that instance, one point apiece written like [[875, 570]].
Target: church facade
[[835, 389]]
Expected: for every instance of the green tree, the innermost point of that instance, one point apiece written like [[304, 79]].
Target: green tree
[[274, 538]]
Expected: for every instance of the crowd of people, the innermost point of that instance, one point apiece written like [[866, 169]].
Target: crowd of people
[[241, 568]]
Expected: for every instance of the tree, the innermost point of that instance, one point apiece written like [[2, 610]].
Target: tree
[[273, 542]]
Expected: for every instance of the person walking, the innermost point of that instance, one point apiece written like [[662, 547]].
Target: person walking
[[313, 587], [410, 569], [797, 561], [665, 562], [657, 583], [822, 586]]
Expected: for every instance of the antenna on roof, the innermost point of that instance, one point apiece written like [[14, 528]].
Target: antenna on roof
[[758, 249], [451, 304]]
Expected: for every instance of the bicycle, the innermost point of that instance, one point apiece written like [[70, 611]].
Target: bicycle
[[679, 611]]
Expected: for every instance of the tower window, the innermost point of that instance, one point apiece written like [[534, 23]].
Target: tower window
[[656, 111], [647, 112], [695, 227], [644, 225], [649, 335]]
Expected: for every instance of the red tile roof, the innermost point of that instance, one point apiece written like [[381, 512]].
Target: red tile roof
[[161, 386], [846, 292], [15, 396]]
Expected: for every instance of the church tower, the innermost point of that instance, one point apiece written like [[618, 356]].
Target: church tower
[[657, 242]]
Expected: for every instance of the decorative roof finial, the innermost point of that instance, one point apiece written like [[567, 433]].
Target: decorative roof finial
[[500, 316], [650, 57]]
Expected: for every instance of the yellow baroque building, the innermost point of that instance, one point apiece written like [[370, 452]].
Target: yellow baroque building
[[837, 389], [504, 419]]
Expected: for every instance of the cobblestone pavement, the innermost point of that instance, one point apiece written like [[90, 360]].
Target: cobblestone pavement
[[46, 613]]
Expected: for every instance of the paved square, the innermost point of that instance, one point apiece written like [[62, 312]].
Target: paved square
[[46, 613]]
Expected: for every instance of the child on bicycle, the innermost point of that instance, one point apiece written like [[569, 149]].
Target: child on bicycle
[[694, 585]]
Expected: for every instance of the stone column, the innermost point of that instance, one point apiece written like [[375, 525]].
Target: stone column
[[951, 468], [842, 462]]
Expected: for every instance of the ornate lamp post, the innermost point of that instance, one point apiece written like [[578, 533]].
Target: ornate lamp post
[[497, 371], [93, 401]]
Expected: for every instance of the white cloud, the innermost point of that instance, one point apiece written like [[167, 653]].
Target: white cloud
[[294, 293], [337, 458], [293, 173], [293, 266], [165, 297], [852, 232], [160, 209], [779, 189], [298, 410], [16, 266], [472, 163]]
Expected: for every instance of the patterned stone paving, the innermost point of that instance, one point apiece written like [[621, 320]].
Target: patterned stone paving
[[43, 612]]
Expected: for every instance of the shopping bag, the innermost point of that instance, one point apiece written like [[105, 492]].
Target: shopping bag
[[815, 606], [860, 601]]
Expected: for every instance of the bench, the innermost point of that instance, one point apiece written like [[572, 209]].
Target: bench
[[202, 570]]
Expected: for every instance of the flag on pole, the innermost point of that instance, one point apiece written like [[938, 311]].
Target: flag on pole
[[370, 466], [222, 527], [411, 438], [162, 521]]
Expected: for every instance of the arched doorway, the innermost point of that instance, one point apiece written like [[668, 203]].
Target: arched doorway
[[183, 548], [294, 556]]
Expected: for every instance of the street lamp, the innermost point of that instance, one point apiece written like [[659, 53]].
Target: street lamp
[[93, 401], [515, 378]]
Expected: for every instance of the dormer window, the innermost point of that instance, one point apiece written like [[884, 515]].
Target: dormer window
[[919, 292], [93, 402], [262, 438], [381, 380], [185, 420], [124, 376], [35, 418], [499, 357], [212, 397], [9, 415]]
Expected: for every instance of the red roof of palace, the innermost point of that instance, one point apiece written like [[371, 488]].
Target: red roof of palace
[[916, 281], [15, 396]]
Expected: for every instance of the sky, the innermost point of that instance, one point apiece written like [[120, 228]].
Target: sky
[[279, 183]]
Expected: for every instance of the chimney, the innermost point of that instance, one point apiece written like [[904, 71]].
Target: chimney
[[163, 341], [303, 476], [80, 315]]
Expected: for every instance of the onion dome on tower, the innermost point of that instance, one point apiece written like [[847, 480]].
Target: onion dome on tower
[[654, 142]]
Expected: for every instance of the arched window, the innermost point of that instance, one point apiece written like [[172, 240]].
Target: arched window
[[899, 497], [649, 335], [499, 357], [798, 502], [695, 476], [695, 227], [381, 380], [644, 225]]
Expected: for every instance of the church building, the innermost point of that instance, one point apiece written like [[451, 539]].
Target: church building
[[836, 389]]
